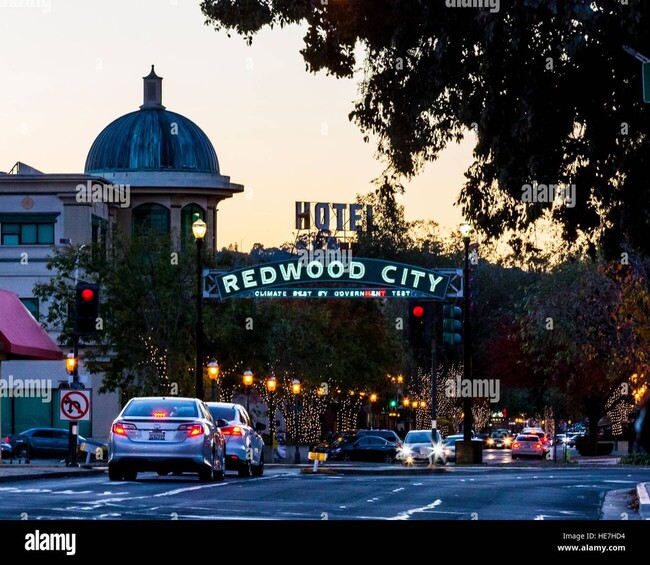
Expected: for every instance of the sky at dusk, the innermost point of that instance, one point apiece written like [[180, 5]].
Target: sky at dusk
[[70, 67]]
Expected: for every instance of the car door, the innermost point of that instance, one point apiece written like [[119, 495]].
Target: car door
[[60, 440], [41, 443]]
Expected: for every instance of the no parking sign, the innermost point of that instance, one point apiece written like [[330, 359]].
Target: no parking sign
[[75, 405]]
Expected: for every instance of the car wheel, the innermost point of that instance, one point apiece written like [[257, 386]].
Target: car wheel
[[513, 456], [163, 473], [114, 473], [389, 458], [22, 452], [130, 475], [346, 458], [206, 474], [258, 470], [221, 473], [245, 469]]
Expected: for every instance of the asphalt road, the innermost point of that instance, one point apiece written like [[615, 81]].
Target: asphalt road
[[487, 493]]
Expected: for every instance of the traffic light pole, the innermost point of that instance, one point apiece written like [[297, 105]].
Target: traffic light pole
[[72, 429], [434, 390]]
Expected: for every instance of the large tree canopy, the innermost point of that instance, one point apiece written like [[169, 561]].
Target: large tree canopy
[[545, 86]]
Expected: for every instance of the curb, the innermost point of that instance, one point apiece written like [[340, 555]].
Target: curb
[[50, 475], [644, 500]]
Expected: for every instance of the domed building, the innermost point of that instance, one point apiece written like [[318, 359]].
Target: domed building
[[151, 169], [169, 165]]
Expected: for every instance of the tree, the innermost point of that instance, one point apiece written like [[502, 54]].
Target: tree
[[585, 328], [543, 85], [146, 341]]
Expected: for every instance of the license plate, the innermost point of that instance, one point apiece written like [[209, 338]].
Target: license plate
[[156, 436]]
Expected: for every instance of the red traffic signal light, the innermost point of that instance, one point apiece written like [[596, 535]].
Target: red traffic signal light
[[86, 309], [87, 294], [420, 321]]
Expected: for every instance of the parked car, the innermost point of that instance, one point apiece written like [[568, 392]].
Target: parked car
[[418, 448], [528, 445], [166, 434], [41, 443], [349, 436], [7, 450], [365, 448], [244, 444]]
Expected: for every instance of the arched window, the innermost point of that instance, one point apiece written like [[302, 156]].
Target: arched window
[[189, 214], [150, 218]]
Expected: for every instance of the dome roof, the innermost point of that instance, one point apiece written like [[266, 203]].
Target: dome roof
[[152, 139]]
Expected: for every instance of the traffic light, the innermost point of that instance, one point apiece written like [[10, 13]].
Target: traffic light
[[420, 319], [451, 324], [86, 308], [392, 403]]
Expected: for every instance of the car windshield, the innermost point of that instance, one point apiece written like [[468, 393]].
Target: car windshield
[[161, 408], [418, 437], [222, 412]]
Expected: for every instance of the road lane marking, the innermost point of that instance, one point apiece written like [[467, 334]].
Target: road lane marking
[[408, 513]]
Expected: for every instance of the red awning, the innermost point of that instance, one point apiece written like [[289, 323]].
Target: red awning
[[21, 336]]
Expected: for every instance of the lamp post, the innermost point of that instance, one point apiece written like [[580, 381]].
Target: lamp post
[[466, 230], [373, 399], [248, 382], [271, 385], [295, 390], [199, 228], [72, 366], [213, 373]]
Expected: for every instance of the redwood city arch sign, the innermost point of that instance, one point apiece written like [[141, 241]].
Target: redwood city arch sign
[[363, 278]]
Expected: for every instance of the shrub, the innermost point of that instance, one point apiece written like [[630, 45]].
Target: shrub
[[635, 459]]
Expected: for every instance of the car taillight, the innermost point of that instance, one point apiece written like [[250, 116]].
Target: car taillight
[[231, 431], [120, 428], [538, 446], [192, 430], [516, 445]]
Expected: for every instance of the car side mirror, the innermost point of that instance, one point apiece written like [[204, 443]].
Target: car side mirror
[[221, 422], [259, 427]]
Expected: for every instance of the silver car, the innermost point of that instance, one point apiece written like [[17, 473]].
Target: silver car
[[418, 448], [166, 434], [244, 445]]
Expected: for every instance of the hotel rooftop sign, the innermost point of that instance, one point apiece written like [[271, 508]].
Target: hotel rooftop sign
[[363, 278]]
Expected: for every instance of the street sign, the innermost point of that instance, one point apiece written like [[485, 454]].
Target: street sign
[[75, 405]]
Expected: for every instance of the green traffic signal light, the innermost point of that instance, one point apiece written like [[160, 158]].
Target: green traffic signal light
[[393, 403]]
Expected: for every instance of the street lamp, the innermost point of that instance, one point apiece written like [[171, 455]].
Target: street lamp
[[295, 390], [213, 373], [248, 382], [70, 363], [199, 228], [271, 385]]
